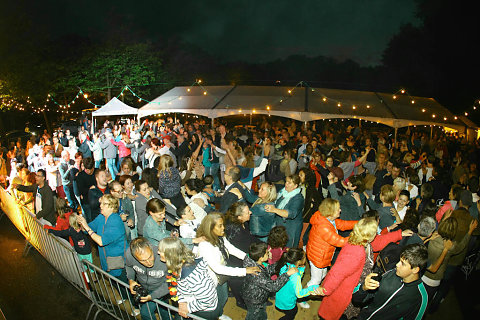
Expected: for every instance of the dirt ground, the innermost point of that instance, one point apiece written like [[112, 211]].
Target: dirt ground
[[32, 289]]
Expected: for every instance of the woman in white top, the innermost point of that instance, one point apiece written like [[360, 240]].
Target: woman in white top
[[215, 251], [198, 200], [51, 168], [401, 204]]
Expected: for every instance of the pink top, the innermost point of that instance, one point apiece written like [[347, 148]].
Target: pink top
[[123, 151], [276, 254]]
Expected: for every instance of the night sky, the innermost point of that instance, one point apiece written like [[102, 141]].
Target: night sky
[[251, 30]]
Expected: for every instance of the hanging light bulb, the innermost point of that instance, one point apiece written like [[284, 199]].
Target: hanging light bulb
[[324, 99], [466, 114], [423, 110], [339, 104], [204, 93], [402, 91], [85, 96], [394, 97], [455, 118], [413, 101], [433, 116], [368, 107], [188, 90]]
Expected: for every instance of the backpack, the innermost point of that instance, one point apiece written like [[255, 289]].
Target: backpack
[[388, 257], [273, 172]]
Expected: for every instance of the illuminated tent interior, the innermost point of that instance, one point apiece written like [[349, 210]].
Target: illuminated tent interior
[[304, 104], [114, 107]]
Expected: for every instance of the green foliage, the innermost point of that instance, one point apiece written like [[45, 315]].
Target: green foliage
[[106, 70]]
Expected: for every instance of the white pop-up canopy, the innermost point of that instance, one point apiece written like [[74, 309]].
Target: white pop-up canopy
[[115, 107]]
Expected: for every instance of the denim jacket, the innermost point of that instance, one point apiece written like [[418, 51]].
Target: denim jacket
[[261, 222]]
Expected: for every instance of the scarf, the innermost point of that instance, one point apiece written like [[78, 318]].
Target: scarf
[[284, 197]]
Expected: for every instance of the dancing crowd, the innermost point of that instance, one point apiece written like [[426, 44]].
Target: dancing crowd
[[191, 213]]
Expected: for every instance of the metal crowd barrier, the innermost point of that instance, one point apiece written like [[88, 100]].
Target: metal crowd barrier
[[113, 296], [106, 292]]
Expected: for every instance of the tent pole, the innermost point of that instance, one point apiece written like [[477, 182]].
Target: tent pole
[[93, 125], [359, 123], [305, 122], [250, 118], [395, 139], [431, 132], [213, 122]]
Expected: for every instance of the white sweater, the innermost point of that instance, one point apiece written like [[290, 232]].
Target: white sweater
[[214, 259]]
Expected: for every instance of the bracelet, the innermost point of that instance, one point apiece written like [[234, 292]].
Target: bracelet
[[90, 231]]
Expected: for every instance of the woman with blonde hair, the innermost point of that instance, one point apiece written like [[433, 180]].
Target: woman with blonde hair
[[345, 273], [216, 251], [261, 221], [196, 290], [170, 182], [353, 264]]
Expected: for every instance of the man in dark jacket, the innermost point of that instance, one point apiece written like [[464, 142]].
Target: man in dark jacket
[[232, 177], [181, 151], [43, 195], [401, 293], [145, 268], [96, 192]]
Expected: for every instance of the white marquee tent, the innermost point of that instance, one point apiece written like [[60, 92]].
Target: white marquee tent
[[304, 104]]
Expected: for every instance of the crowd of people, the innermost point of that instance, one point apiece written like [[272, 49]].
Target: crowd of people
[[194, 213]]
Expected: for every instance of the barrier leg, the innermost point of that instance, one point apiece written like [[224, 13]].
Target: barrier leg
[[90, 310], [27, 248]]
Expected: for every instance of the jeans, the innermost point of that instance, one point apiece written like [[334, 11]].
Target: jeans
[[111, 168], [148, 309], [222, 294], [97, 163], [70, 196], [256, 312]]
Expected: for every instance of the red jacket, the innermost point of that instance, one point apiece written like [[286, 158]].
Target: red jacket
[[343, 277], [62, 224], [323, 239]]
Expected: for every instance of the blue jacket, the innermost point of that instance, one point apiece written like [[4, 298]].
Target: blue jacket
[[261, 222], [286, 298], [114, 240]]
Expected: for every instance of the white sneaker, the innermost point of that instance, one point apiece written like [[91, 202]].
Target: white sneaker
[[224, 317], [304, 305], [121, 301]]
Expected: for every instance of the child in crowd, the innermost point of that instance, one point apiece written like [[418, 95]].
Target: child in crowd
[[63, 214], [81, 243], [277, 241], [188, 229], [286, 298], [387, 196], [257, 287], [208, 189]]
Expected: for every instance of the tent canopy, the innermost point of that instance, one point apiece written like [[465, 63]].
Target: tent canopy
[[303, 104], [114, 107]]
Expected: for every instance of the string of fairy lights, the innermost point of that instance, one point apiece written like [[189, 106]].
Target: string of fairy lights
[[342, 105]]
